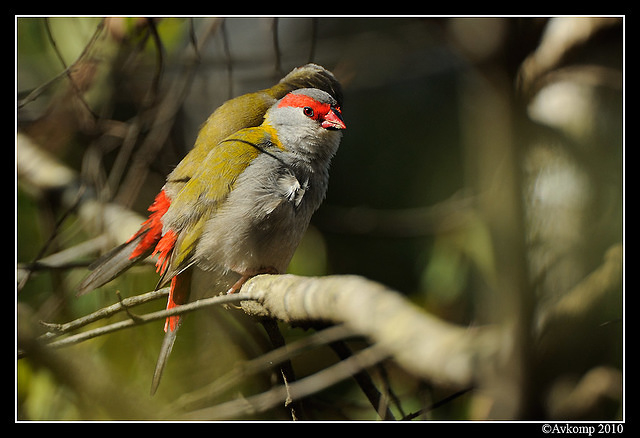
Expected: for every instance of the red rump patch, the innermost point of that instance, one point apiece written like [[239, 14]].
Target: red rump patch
[[179, 293], [171, 323], [164, 247], [152, 227]]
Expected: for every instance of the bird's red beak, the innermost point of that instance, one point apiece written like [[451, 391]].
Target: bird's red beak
[[333, 119]]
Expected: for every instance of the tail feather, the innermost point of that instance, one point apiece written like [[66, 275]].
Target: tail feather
[[111, 265], [148, 241], [179, 294], [165, 351], [138, 247]]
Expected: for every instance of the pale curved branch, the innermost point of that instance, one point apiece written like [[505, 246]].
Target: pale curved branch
[[419, 342], [587, 294], [423, 344]]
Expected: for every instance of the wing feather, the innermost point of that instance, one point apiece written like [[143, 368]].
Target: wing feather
[[208, 188]]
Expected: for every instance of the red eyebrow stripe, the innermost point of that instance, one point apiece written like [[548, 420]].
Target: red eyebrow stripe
[[300, 100]]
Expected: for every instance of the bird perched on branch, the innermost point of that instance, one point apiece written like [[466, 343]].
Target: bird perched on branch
[[240, 201]]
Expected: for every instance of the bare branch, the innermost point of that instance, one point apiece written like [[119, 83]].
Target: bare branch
[[561, 35], [244, 370], [143, 319], [60, 329], [297, 390], [421, 343], [587, 294]]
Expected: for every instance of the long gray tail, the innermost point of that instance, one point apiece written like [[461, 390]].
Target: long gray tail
[[110, 265], [165, 351]]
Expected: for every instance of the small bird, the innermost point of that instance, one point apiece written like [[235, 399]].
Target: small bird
[[238, 204]]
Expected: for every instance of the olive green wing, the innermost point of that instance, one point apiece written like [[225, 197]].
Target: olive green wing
[[206, 189]]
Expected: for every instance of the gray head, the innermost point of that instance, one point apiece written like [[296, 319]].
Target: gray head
[[307, 120]]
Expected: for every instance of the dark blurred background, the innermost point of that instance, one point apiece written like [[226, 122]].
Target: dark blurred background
[[436, 109]]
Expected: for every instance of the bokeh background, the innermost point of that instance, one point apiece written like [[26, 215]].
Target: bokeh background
[[442, 114]]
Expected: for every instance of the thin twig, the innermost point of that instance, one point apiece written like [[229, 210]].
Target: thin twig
[[61, 329], [131, 315], [437, 404], [143, 319], [34, 94], [270, 359], [69, 70], [286, 369], [52, 236], [364, 380], [303, 388], [276, 46]]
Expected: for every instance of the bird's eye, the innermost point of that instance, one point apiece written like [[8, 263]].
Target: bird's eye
[[308, 111]]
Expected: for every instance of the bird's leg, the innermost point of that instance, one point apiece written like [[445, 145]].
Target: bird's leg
[[244, 277]]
